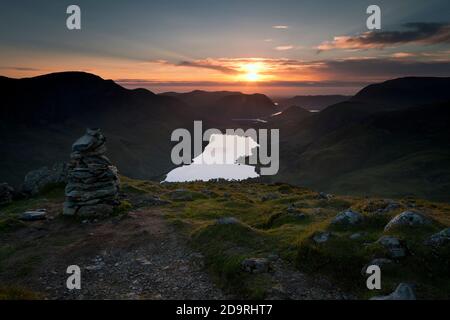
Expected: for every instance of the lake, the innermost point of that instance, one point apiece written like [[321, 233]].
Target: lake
[[219, 160]]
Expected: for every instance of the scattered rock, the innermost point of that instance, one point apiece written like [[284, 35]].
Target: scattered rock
[[93, 182], [181, 195], [392, 205], [150, 200], [358, 235], [321, 236], [393, 245], [408, 218], [227, 220], [6, 193], [255, 265], [37, 180], [209, 193], [380, 206], [439, 239], [298, 215], [347, 217], [404, 291], [270, 196], [324, 196], [380, 262], [34, 215]]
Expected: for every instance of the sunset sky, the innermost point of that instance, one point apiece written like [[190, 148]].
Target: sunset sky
[[272, 47]]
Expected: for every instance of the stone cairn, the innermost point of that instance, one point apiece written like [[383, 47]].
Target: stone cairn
[[92, 188]]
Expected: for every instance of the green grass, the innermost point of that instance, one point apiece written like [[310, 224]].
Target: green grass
[[266, 227]]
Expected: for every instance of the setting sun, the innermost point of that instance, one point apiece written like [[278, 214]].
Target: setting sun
[[252, 71]]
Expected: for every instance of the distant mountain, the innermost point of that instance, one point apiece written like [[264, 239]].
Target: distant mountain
[[42, 116], [227, 104], [311, 102], [290, 117], [406, 92], [375, 146], [200, 98], [391, 139]]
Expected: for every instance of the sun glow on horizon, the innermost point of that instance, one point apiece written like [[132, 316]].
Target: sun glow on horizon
[[252, 71]]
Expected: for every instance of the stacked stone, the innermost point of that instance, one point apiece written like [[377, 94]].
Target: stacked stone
[[92, 188]]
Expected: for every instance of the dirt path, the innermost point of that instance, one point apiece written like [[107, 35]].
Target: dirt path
[[140, 257]]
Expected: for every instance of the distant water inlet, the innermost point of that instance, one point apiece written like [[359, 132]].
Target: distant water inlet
[[223, 158]]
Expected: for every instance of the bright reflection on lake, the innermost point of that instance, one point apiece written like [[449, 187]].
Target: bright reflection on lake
[[218, 161]]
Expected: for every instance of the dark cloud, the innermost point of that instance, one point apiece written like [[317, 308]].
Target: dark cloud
[[20, 68], [196, 64], [416, 32], [388, 68], [321, 84]]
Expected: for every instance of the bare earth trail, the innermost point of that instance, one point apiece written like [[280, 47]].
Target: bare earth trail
[[141, 256]]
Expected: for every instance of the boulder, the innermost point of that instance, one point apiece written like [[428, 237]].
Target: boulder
[[393, 246], [181, 195], [209, 193], [150, 200], [324, 196], [6, 193], [255, 265], [358, 235], [270, 196], [321, 237], [380, 262], [404, 291], [347, 217], [93, 183], [33, 215], [36, 180], [408, 218], [439, 239]]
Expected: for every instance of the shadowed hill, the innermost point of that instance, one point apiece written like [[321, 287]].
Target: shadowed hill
[[378, 142], [227, 104], [406, 92], [318, 102], [42, 116]]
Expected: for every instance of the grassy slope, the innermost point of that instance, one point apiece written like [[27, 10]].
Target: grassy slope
[[266, 228]]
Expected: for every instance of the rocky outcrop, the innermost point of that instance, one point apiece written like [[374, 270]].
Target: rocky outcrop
[[93, 183], [6, 193], [348, 217], [393, 246], [37, 180], [255, 265], [321, 237], [181, 195], [408, 218], [442, 238], [34, 215]]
